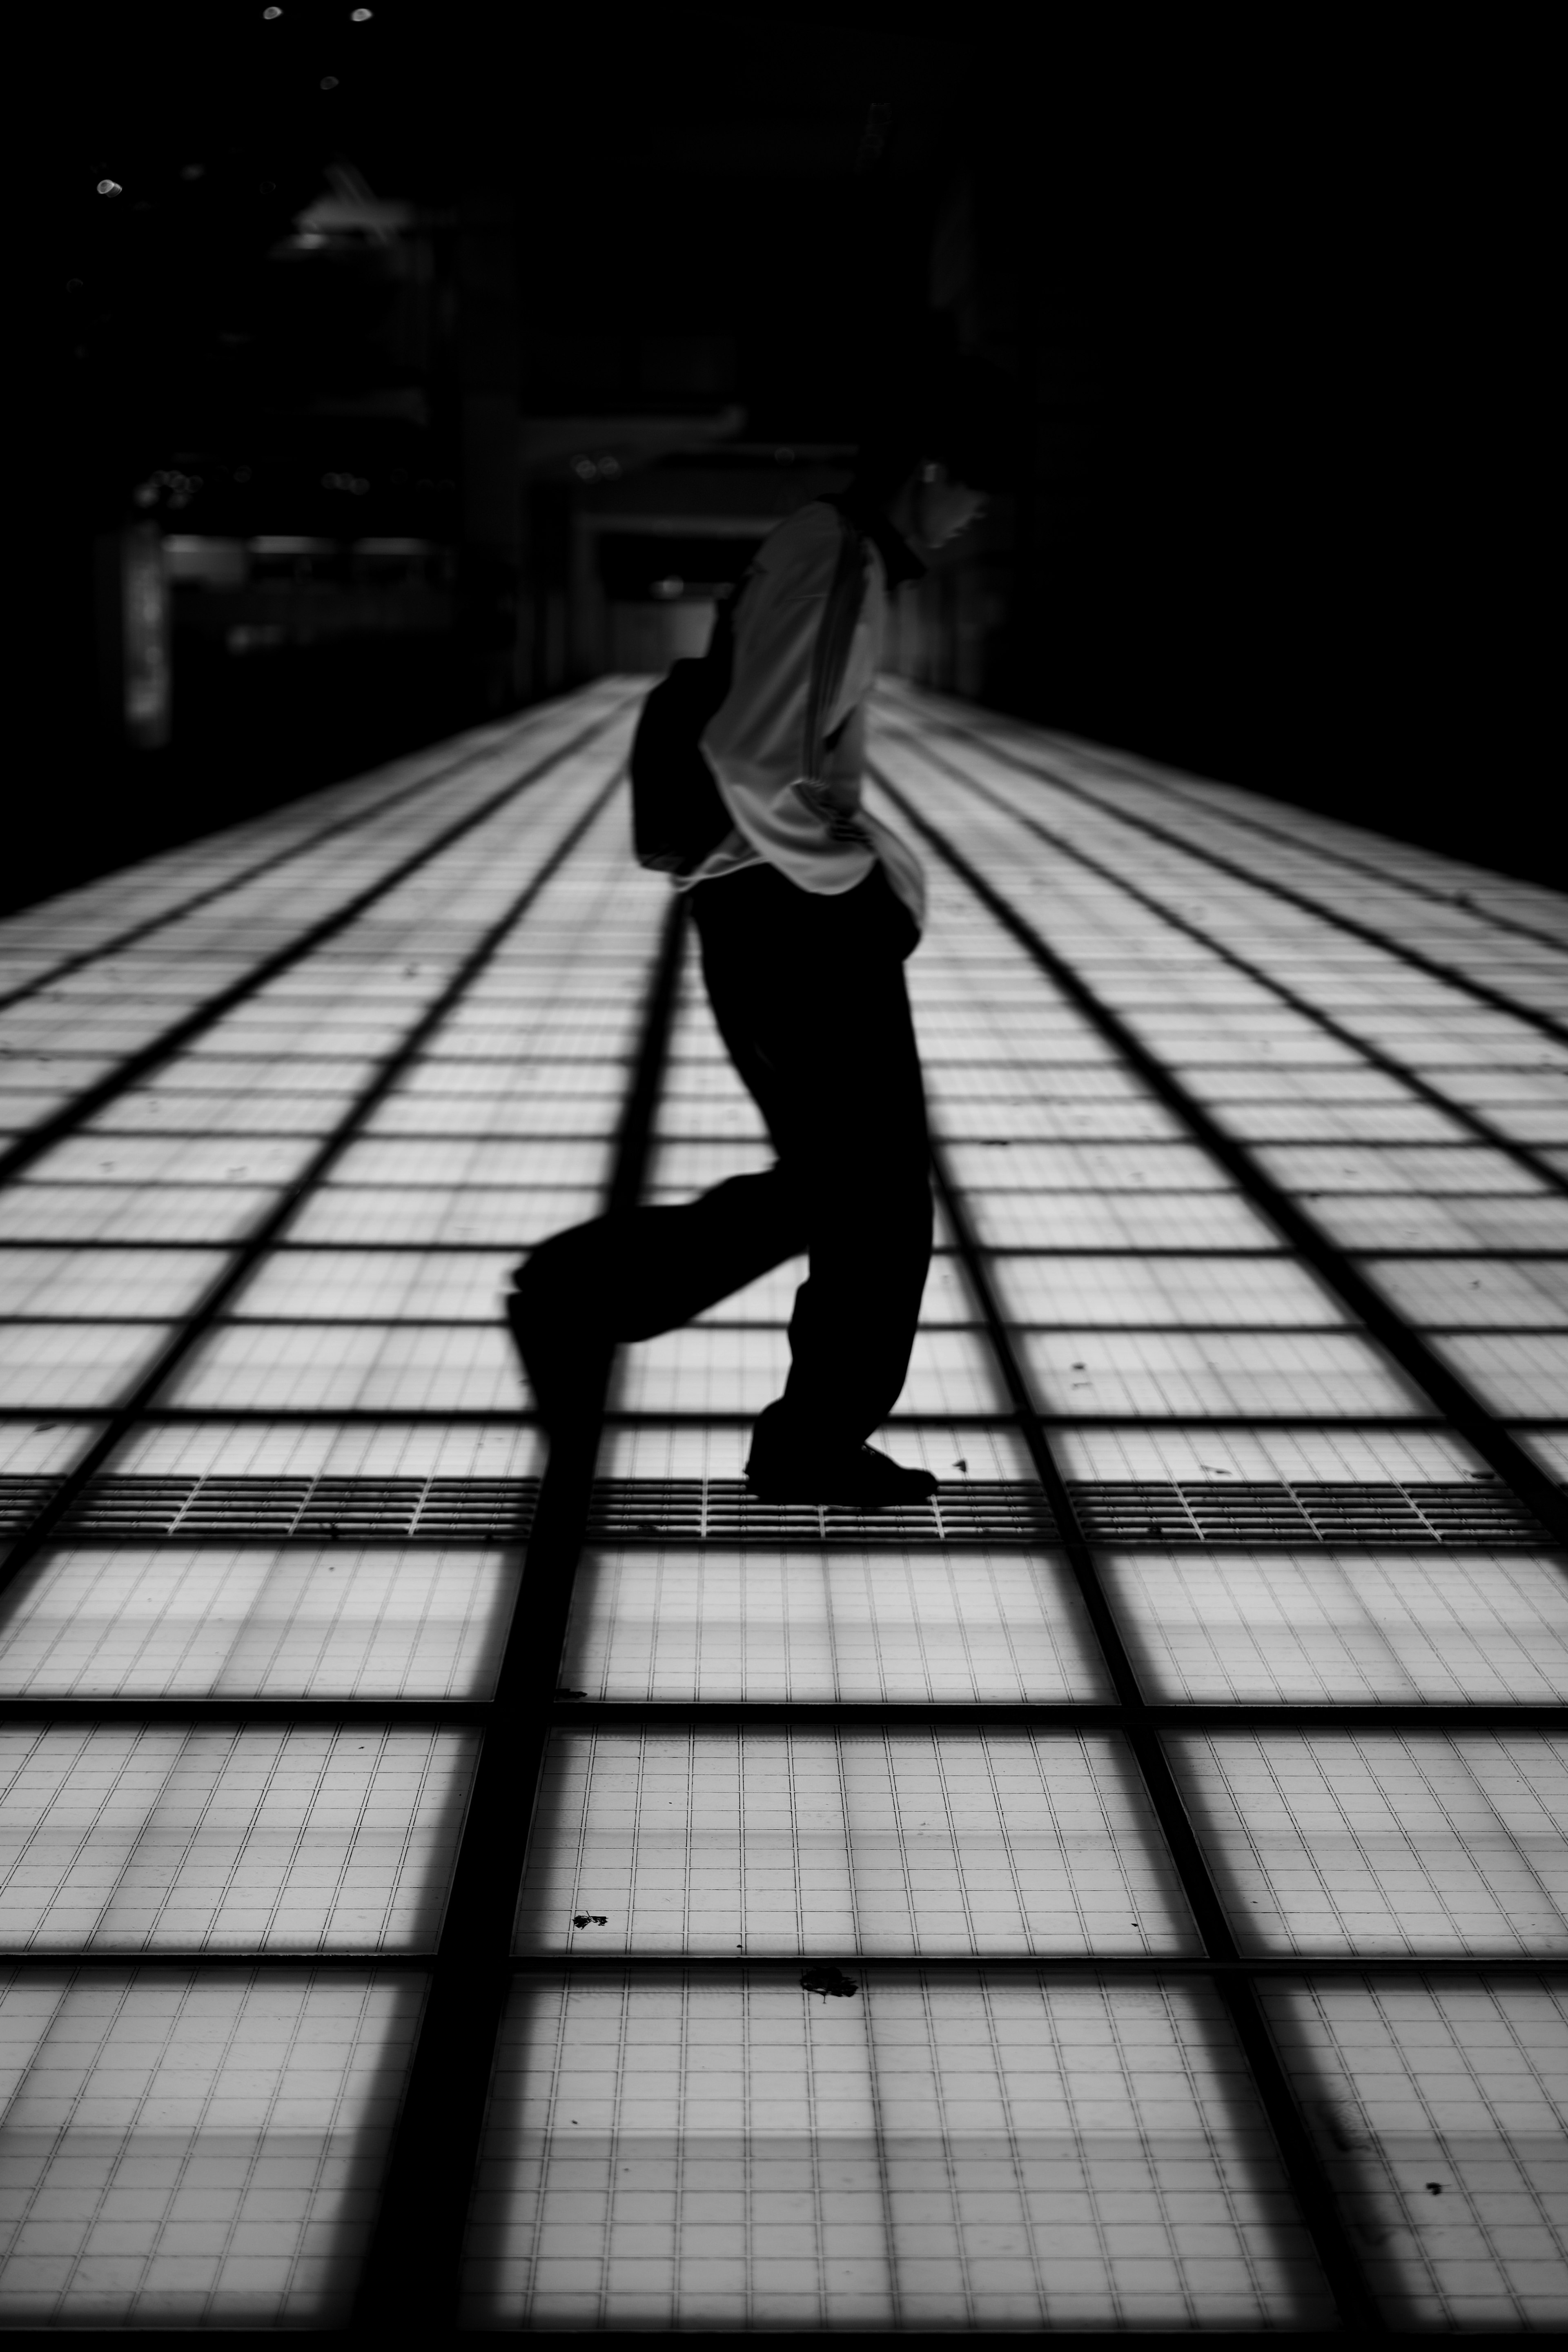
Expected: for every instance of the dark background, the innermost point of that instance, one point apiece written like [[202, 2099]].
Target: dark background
[[1274, 288]]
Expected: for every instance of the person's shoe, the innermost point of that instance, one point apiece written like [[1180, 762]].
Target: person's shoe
[[863, 1480], [565, 1352]]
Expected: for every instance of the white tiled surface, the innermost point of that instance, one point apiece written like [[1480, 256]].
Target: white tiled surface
[[194, 2151], [231, 1840], [916, 1626], [286, 1621], [1441, 2113], [1373, 1842], [718, 1842], [932, 2156], [948, 2156], [1446, 1626]]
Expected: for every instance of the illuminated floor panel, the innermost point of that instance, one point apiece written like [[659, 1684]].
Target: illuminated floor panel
[[1296, 1375], [751, 1625], [1113, 1291], [500, 1216], [768, 1841], [226, 1840], [861, 1983], [958, 2155], [1455, 2093], [318, 1445], [1335, 1842], [187, 2148], [343, 1619], [1440, 1626], [338, 1367], [1223, 1455]]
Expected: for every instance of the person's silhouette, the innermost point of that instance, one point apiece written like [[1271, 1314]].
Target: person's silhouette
[[805, 914]]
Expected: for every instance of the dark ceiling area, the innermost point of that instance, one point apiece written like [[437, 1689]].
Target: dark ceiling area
[[1271, 289]]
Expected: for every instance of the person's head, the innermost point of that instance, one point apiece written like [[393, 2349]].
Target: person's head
[[935, 506], [939, 441]]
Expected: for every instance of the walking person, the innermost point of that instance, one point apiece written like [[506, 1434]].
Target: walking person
[[805, 912]]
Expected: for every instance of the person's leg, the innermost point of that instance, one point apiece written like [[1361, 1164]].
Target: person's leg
[[633, 1275], [813, 989], [808, 994]]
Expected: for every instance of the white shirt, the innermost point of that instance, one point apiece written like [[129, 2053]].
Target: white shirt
[[816, 834]]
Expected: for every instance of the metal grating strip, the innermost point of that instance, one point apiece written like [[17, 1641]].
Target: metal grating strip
[[1268, 1515]]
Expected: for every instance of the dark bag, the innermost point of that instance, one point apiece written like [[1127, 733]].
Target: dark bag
[[679, 816]]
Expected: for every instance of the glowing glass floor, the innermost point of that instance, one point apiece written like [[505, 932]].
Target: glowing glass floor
[[441, 1885]]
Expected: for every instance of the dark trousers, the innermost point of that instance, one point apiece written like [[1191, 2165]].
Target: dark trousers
[[809, 997]]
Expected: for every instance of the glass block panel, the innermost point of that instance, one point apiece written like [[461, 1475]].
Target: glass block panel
[[770, 1627], [189, 1111], [1253, 1375], [349, 1285], [1312, 1168], [1106, 1218], [1217, 1454], [1441, 2114], [921, 2155], [61, 1214], [532, 1115], [1368, 1842], [1126, 1292], [1476, 1291], [1448, 1626], [902, 1842], [159, 1160], [67, 1367], [295, 1620], [1085, 1167], [1517, 1373], [105, 1281], [383, 1448], [1548, 1448], [1412, 1121], [503, 1217], [31, 1447], [540, 1160], [1024, 1113], [190, 2150], [350, 1368], [227, 1837]]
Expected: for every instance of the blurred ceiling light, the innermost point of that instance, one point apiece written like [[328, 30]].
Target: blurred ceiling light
[[360, 16], [668, 588], [110, 188], [269, 13], [329, 81]]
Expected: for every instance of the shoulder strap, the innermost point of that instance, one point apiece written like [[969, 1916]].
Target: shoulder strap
[[831, 652]]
